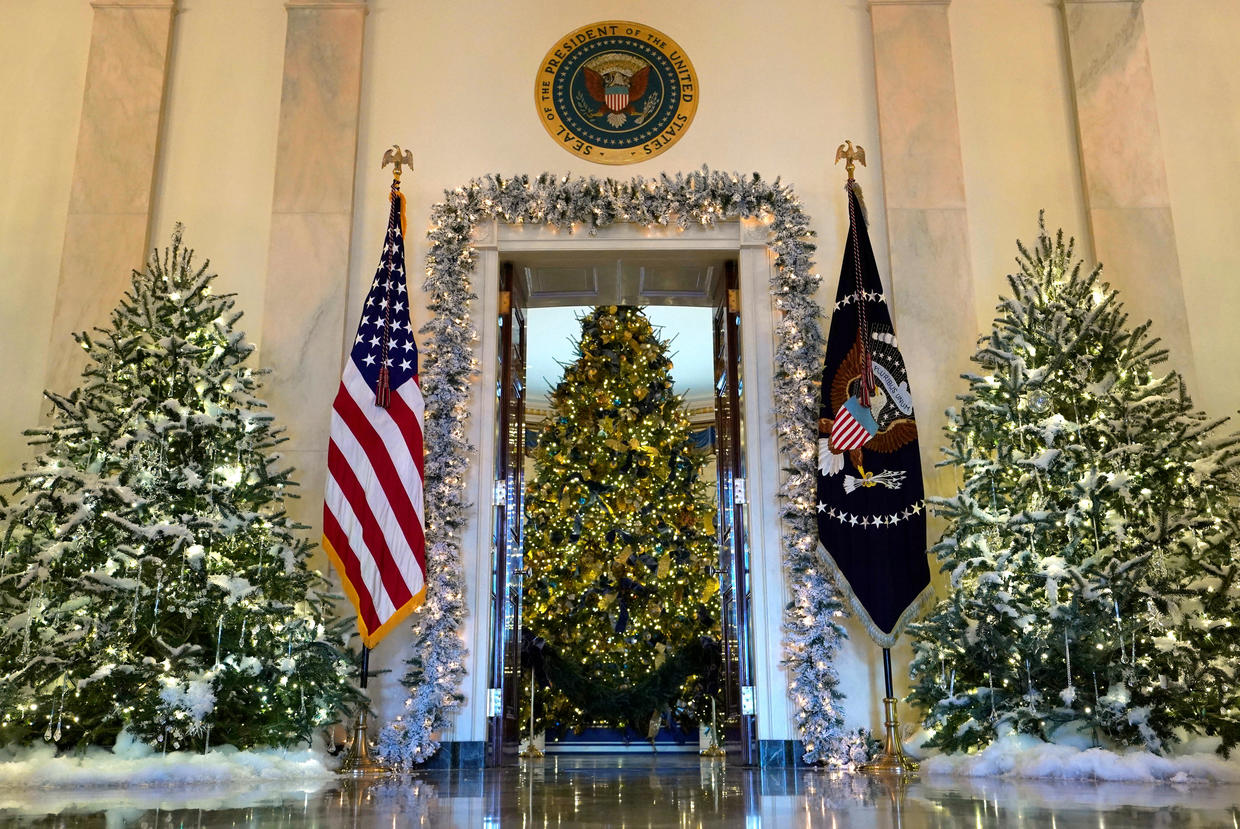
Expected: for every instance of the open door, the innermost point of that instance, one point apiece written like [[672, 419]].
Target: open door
[[733, 549], [503, 727]]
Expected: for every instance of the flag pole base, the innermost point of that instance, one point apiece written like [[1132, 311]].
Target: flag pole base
[[713, 750], [359, 761], [892, 760]]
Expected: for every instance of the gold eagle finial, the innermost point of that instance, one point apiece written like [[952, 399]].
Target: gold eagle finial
[[850, 154], [397, 156]]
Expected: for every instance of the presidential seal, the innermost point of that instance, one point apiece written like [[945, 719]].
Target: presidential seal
[[616, 92]]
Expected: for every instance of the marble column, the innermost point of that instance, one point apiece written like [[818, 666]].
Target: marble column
[[304, 314], [106, 232], [930, 287], [931, 282], [1122, 163]]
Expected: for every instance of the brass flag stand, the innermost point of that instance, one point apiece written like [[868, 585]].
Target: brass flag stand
[[891, 760], [531, 751], [359, 761], [714, 749]]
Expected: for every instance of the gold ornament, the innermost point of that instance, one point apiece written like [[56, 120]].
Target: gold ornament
[[665, 566]]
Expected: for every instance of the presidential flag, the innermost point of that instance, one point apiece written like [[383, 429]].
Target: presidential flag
[[372, 513], [871, 509]]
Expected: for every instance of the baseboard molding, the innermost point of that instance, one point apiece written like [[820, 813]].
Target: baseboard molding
[[780, 754], [466, 754]]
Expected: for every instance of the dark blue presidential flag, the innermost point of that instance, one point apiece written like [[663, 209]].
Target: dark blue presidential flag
[[871, 508]]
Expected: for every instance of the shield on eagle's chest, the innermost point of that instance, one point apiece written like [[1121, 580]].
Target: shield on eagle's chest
[[853, 426], [617, 98]]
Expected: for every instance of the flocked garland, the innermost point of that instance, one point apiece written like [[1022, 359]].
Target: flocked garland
[[812, 621]]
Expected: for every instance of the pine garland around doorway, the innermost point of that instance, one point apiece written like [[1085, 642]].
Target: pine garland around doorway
[[812, 629]]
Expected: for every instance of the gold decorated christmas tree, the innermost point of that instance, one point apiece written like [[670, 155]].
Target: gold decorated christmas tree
[[619, 538]]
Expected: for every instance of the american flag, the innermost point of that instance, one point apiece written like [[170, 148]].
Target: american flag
[[372, 512]]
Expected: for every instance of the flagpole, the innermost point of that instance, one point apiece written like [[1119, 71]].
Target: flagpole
[[891, 760]]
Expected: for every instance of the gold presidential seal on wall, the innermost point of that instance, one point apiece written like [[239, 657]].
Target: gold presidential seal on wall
[[616, 92]]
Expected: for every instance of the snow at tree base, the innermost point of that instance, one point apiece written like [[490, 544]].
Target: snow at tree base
[[619, 538], [1091, 548], [149, 577]]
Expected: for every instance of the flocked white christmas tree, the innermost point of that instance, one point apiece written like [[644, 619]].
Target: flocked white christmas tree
[[150, 579], [1091, 550]]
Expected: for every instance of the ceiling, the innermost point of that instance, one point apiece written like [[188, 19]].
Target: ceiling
[[675, 287], [589, 278]]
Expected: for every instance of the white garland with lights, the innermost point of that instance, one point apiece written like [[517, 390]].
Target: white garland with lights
[[812, 628]]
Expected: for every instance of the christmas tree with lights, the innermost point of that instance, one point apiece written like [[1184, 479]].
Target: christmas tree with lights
[[150, 580], [619, 538], [1091, 550]]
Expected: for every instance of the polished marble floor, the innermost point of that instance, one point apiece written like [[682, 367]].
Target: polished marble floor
[[632, 792]]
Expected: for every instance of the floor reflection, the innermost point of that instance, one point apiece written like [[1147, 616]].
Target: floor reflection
[[639, 791]]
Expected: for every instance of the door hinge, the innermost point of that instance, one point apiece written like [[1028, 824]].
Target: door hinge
[[495, 702], [738, 492], [505, 302], [500, 496], [734, 300]]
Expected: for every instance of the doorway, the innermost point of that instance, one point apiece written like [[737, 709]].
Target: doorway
[[706, 279]]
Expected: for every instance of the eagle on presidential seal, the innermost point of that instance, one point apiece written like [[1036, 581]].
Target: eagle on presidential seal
[[617, 81], [861, 420]]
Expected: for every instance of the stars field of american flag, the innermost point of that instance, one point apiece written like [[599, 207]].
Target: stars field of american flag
[[373, 507]]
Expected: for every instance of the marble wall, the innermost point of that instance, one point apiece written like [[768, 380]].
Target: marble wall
[[1125, 176], [305, 315], [930, 282], [930, 286], [110, 198]]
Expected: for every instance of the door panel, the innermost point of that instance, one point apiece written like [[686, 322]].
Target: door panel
[[733, 549], [504, 671]]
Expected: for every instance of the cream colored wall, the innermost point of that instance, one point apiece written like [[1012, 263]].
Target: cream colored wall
[[782, 84], [1017, 135], [219, 142], [43, 49], [1196, 69]]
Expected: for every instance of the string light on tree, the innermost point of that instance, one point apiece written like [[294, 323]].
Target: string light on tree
[[150, 579], [1093, 543], [619, 535]]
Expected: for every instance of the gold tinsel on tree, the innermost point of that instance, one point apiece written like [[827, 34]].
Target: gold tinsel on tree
[[619, 537]]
